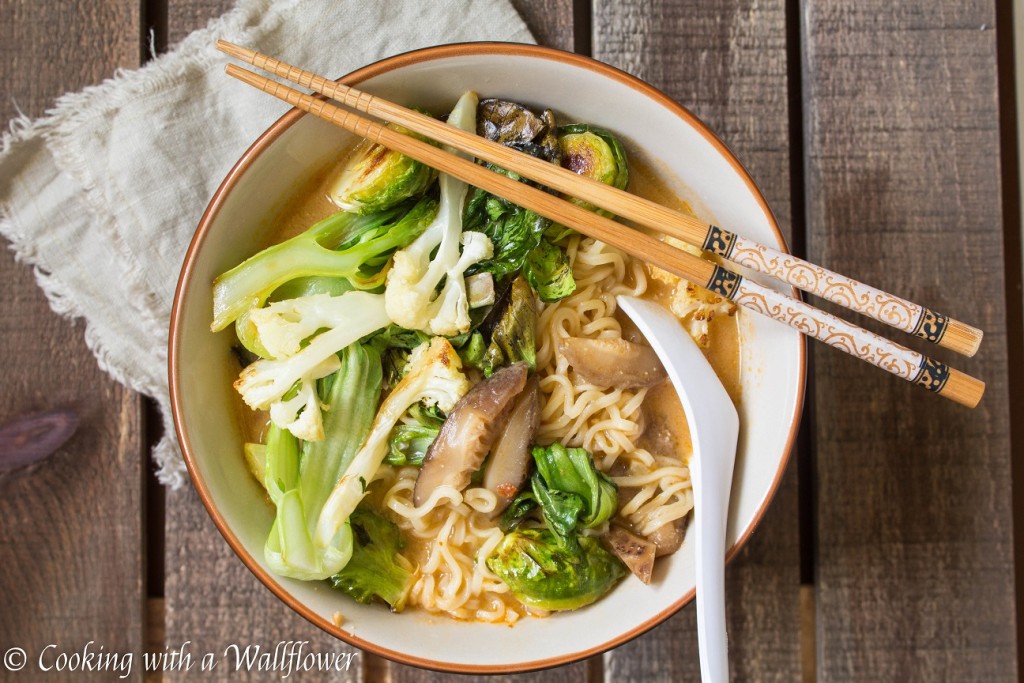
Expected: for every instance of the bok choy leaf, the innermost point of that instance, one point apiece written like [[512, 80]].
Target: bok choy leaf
[[299, 482]]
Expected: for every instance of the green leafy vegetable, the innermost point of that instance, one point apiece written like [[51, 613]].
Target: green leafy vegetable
[[561, 508], [572, 470], [472, 352], [300, 487], [307, 286], [513, 230], [569, 490], [312, 254], [543, 572], [428, 415], [549, 272], [513, 336], [376, 178], [408, 444], [394, 344], [518, 511], [375, 570]]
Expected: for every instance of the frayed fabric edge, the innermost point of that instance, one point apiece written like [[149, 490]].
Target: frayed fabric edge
[[166, 453]]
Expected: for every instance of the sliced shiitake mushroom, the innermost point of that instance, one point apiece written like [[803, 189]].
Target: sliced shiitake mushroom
[[635, 552], [613, 362], [509, 465], [668, 538], [468, 432]]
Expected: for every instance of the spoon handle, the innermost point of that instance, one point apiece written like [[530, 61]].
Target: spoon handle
[[714, 429], [711, 496]]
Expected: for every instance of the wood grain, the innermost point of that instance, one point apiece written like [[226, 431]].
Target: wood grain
[[185, 16], [915, 570], [726, 62], [550, 21], [72, 570]]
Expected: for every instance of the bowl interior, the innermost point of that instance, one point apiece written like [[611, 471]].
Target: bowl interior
[[240, 220]]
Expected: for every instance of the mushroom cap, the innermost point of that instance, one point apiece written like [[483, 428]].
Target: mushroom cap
[[469, 431]]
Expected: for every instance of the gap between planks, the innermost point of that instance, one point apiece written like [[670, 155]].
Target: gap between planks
[[808, 630], [1010, 73]]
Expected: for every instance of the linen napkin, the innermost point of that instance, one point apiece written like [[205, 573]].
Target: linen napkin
[[103, 194]]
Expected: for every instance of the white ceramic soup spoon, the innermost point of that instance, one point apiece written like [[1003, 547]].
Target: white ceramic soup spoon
[[714, 428]]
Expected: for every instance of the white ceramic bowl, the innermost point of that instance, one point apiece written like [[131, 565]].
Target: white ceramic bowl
[[688, 156]]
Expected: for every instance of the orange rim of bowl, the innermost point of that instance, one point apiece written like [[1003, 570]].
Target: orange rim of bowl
[[268, 138]]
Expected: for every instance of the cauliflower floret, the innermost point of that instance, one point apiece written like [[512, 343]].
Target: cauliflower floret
[[692, 304], [348, 318], [409, 291], [414, 277], [283, 325], [434, 376], [696, 307], [302, 413]]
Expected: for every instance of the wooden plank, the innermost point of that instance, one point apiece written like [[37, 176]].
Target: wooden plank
[[726, 61], [915, 568], [550, 21], [72, 570], [185, 16]]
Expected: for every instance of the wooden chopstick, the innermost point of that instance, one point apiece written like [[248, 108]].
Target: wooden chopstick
[[898, 360], [857, 296]]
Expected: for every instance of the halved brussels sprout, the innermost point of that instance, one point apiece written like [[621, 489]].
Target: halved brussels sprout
[[377, 178], [595, 153], [542, 571]]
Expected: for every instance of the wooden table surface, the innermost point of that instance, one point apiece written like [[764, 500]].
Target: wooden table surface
[[882, 134]]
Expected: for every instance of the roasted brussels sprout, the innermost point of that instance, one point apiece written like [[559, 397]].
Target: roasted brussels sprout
[[543, 572], [376, 178], [548, 271], [595, 153], [513, 125]]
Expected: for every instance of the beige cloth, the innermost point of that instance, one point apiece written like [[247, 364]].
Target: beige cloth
[[103, 194]]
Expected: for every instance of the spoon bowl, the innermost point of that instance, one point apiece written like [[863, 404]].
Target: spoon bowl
[[714, 429]]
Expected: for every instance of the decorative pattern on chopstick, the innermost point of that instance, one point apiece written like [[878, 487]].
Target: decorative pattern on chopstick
[[807, 319], [839, 289], [903, 315], [836, 332]]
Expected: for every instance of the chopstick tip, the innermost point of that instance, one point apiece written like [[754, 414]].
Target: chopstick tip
[[245, 75], [233, 50]]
